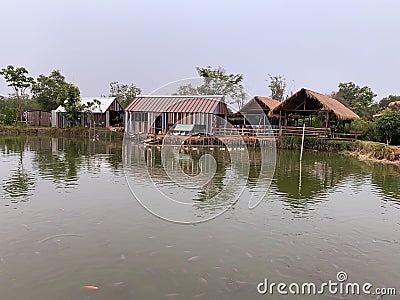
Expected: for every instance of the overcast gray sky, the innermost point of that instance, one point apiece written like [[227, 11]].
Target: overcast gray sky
[[314, 43]]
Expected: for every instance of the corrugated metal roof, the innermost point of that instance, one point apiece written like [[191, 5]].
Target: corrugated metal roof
[[205, 104], [101, 108]]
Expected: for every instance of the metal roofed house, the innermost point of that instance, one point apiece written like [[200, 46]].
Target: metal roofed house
[[108, 113], [158, 114]]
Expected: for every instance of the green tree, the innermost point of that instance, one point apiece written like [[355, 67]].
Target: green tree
[[277, 85], [19, 81], [385, 101], [7, 115], [72, 105], [216, 81], [88, 110], [123, 92], [388, 127], [359, 99], [50, 91]]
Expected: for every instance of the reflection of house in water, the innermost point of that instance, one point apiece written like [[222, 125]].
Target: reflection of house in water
[[40, 144], [145, 163], [322, 172], [61, 160], [319, 173]]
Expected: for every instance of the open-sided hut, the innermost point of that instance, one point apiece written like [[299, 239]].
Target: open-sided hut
[[312, 107], [395, 105], [38, 117], [158, 114], [256, 111], [105, 114]]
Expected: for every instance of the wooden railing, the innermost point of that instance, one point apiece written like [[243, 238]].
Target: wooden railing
[[265, 132], [309, 131], [268, 132]]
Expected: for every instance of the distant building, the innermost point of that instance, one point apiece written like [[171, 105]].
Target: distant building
[[158, 114], [38, 117], [395, 105], [108, 113]]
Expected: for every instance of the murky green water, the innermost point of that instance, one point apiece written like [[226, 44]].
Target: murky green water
[[69, 219]]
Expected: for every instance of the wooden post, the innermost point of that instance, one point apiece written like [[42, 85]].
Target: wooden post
[[326, 119]]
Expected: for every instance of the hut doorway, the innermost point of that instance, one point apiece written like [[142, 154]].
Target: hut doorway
[[116, 118], [158, 124]]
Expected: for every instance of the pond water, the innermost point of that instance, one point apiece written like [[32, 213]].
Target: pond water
[[74, 213]]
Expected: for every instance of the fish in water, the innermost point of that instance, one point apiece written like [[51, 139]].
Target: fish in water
[[193, 258], [91, 287]]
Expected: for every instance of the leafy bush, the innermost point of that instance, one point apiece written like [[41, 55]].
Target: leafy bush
[[368, 129], [388, 127], [8, 115]]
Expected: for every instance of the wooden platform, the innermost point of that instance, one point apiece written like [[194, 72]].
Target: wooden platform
[[251, 136]]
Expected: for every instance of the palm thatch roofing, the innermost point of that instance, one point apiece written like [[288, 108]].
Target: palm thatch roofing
[[394, 104], [306, 102], [254, 104]]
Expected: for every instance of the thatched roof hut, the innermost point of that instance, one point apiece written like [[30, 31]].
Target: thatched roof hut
[[256, 111], [394, 104], [306, 102], [254, 104]]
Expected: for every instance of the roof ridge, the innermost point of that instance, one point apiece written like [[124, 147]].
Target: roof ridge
[[180, 96]]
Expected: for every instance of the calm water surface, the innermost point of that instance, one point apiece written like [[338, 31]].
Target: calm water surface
[[69, 219]]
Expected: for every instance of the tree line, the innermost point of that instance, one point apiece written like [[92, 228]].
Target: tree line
[[49, 92]]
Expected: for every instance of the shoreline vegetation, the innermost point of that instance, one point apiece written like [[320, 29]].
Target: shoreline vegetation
[[362, 150], [99, 132]]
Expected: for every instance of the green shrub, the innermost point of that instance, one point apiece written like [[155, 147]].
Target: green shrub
[[388, 127], [368, 129], [7, 116]]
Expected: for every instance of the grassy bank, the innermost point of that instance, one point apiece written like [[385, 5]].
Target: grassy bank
[[294, 142], [376, 151], [364, 150], [53, 131]]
